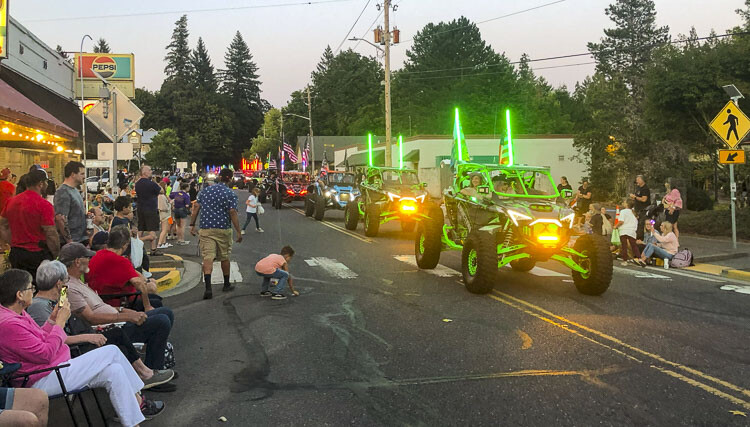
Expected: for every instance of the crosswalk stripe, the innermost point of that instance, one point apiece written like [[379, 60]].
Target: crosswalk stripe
[[640, 274], [332, 267]]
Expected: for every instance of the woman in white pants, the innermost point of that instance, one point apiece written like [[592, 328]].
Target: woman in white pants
[[23, 341]]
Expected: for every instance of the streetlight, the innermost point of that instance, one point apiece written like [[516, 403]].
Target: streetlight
[[357, 39], [83, 119]]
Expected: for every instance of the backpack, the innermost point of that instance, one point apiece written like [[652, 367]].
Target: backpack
[[682, 259]]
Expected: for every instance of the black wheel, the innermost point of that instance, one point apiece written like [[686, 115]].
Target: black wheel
[[523, 264], [320, 207], [598, 263], [407, 226], [479, 262], [351, 215], [372, 219], [428, 240], [309, 206]]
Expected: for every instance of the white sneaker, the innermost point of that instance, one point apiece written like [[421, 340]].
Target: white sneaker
[[260, 230], [243, 232], [164, 246]]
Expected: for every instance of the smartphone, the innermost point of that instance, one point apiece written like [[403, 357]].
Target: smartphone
[[63, 295]]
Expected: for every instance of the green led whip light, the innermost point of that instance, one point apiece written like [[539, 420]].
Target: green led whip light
[[457, 135], [400, 152], [369, 147], [510, 139]]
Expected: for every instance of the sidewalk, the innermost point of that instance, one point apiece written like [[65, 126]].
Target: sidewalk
[[715, 256]]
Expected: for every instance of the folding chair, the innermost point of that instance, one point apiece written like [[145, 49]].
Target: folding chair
[[8, 374]]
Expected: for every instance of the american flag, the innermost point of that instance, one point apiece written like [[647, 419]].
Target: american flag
[[272, 164], [290, 152]]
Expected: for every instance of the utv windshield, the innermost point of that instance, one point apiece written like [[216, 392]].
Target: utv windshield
[[522, 183], [341, 178], [400, 178]]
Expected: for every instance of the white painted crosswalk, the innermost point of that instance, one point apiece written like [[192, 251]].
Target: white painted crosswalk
[[332, 267], [217, 277], [440, 270]]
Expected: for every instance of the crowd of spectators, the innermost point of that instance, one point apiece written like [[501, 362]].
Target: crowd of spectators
[[75, 289]]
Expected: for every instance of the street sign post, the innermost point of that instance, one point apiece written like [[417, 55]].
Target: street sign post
[[731, 125], [732, 157]]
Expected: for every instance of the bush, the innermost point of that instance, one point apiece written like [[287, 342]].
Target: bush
[[698, 199], [715, 223]]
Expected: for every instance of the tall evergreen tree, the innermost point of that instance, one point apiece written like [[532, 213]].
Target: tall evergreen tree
[[101, 46], [178, 53], [204, 78], [240, 79], [239, 82]]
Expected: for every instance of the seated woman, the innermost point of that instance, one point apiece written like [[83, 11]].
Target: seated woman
[[666, 245], [23, 341], [471, 190]]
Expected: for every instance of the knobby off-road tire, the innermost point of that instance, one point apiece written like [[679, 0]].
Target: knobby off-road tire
[[320, 207], [428, 240], [479, 262], [351, 215], [309, 206], [407, 226], [372, 219], [599, 264], [523, 265]]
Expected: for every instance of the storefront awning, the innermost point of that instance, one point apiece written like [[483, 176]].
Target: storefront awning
[[31, 120], [361, 159], [413, 156]]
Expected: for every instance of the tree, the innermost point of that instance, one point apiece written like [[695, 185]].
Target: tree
[[204, 77], [240, 84], [268, 139], [165, 147], [178, 65], [101, 46], [157, 112]]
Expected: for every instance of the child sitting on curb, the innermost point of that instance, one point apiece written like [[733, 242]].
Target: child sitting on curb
[[276, 266]]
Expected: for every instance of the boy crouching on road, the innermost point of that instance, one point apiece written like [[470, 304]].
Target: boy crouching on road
[[276, 266]]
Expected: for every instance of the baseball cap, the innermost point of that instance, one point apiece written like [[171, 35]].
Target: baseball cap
[[100, 238], [72, 251]]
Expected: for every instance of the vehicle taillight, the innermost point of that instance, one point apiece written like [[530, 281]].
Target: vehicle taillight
[[290, 192], [303, 192]]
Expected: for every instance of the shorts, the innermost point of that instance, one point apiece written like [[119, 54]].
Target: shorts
[[672, 218], [180, 213], [215, 243], [6, 398], [148, 220]]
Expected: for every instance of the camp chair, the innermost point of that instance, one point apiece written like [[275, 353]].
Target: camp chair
[[8, 374]]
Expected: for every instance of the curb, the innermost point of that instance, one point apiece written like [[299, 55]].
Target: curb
[[168, 281], [720, 257], [737, 274], [190, 277]]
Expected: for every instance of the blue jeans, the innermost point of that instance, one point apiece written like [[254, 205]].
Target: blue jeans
[[154, 333], [652, 249], [280, 274]]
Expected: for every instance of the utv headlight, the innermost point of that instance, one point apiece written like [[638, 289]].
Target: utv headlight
[[517, 216]]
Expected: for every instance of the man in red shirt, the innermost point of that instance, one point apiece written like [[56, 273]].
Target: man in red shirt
[[28, 223], [7, 189], [112, 273]]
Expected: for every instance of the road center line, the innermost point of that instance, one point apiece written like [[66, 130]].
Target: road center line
[[335, 227], [548, 317]]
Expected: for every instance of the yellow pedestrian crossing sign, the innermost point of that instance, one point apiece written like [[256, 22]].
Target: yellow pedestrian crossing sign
[[731, 124]]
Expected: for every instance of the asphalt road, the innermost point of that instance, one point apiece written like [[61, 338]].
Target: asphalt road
[[372, 340]]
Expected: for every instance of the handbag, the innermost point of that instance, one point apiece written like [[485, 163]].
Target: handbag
[[260, 209], [615, 236]]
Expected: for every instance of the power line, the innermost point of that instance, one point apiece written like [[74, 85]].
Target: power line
[[352, 27], [496, 18], [575, 55], [377, 18], [458, 76], [176, 12]]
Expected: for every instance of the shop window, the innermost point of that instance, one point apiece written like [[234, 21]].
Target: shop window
[[561, 158]]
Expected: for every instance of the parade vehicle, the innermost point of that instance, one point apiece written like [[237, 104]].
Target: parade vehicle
[[388, 194], [238, 180], [332, 190], [292, 187], [501, 215]]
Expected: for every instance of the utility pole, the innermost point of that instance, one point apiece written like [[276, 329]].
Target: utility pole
[[387, 39], [113, 173], [312, 142]]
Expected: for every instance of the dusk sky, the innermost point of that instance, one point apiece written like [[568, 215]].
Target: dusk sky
[[287, 41]]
